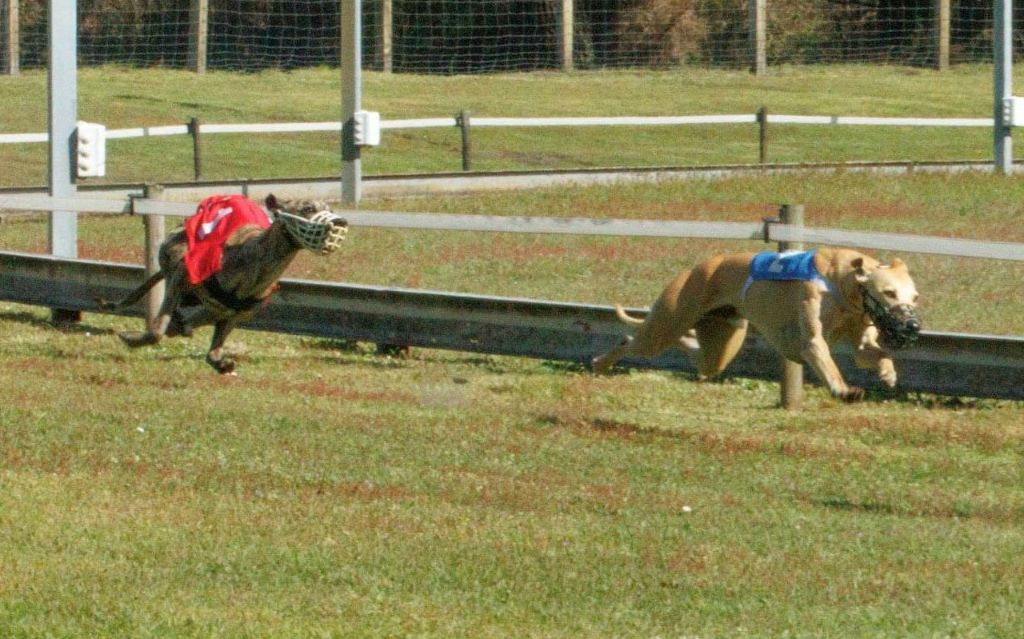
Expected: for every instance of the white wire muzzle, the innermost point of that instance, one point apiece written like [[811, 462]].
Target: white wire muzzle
[[322, 233]]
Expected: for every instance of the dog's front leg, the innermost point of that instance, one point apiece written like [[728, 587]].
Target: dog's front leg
[[870, 355], [215, 356], [815, 351]]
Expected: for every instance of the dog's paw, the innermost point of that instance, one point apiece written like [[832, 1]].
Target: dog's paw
[[135, 339], [223, 365], [852, 394], [887, 374]]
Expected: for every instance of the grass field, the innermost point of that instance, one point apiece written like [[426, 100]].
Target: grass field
[[126, 97], [330, 492]]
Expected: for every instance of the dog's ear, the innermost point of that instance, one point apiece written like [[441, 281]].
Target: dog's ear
[[272, 203], [859, 272], [898, 263]]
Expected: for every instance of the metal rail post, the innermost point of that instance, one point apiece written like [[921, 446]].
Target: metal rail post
[[1002, 43], [351, 100], [62, 90], [792, 384]]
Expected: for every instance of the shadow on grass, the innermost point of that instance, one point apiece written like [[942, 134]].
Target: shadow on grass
[[24, 317]]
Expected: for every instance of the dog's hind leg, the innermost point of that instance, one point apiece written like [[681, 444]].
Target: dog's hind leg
[[654, 338], [720, 340], [158, 327]]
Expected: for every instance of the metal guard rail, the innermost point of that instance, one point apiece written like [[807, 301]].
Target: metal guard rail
[[942, 363]]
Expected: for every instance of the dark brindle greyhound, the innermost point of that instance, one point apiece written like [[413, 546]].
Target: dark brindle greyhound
[[253, 260]]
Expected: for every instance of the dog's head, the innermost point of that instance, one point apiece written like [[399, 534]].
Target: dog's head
[[890, 300], [310, 223]]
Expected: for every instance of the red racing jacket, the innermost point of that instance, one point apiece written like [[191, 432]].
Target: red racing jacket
[[216, 218]]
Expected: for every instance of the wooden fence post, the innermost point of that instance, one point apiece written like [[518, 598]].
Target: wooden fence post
[[566, 20], [462, 120], [155, 234], [758, 36], [387, 29], [792, 385], [762, 135], [197, 149], [942, 33], [10, 38], [198, 34]]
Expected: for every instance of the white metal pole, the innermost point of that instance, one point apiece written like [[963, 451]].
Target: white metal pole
[[62, 90], [351, 99], [1002, 42]]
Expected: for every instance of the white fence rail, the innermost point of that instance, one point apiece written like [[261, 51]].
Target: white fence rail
[[768, 230], [423, 123]]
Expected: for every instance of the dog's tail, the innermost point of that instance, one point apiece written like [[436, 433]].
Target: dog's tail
[[625, 317], [133, 297]]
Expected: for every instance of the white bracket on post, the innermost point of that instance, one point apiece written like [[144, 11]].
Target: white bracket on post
[[366, 128], [91, 149], [1013, 111]]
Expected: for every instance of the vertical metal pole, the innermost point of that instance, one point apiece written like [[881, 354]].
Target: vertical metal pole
[[566, 19], [198, 35], [155, 234], [351, 99], [1002, 39], [758, 36], [942, 20], [387, 25], [792, 387], [62, 91], [197, 148], [10, 61], [463, 119]]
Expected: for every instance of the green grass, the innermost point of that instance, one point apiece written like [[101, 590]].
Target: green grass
[[329, 492], [123, 97]]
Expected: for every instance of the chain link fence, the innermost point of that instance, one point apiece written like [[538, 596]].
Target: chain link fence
[[480, 36]]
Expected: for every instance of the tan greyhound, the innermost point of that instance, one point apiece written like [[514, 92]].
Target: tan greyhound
[[800, 302]]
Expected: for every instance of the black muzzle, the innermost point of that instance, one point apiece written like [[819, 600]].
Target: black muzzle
[[898, 325]]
